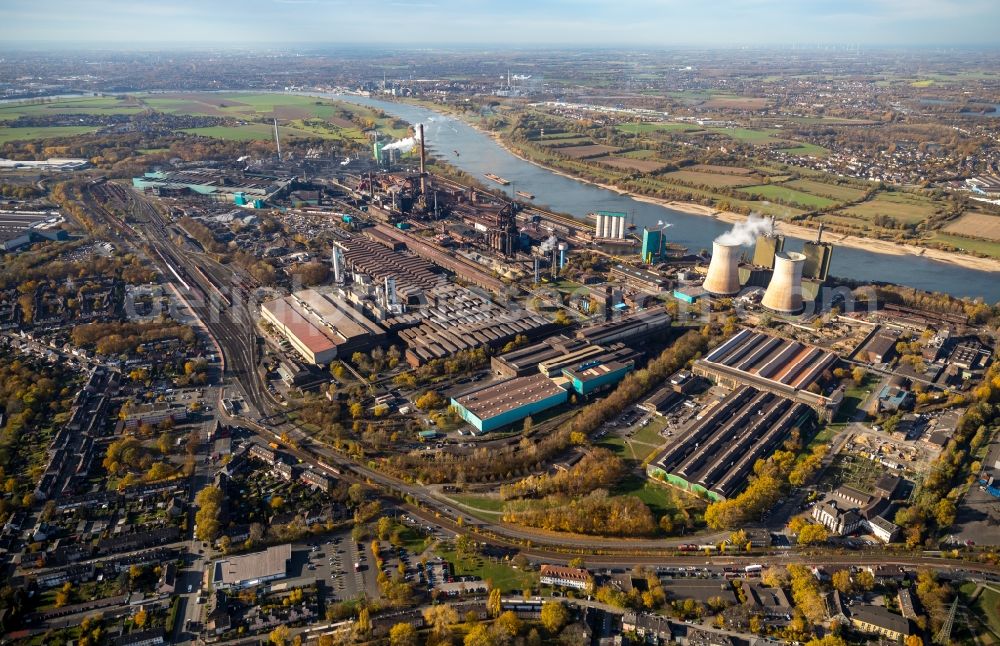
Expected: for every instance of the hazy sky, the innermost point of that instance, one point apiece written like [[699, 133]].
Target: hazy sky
[[113, 23]]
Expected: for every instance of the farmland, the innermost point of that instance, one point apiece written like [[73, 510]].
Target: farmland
[[626, 163], [83, 105], [832, 191], [645, 128], [696, 178], [582, 152], [789, 195], [905, 208], [984, 247], [976, 225], [17, 134]]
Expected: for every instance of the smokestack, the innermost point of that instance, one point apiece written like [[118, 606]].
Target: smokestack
[[819, 236], [784, 292], [423, 172], [723, 277]]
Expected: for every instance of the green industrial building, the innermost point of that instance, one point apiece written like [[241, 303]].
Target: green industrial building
[[509, 401]]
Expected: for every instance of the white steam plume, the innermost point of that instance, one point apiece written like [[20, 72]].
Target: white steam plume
[[746, 233], [404, 145]]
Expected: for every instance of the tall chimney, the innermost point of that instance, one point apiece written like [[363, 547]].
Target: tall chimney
[[723, 277], [423, 172], [784, 292]]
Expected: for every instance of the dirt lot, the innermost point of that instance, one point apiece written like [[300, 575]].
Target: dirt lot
[[582, 152], [976, 225], [642, 165]]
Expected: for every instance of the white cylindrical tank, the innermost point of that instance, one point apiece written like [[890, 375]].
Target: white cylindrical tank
[[723, 277], [599, 226], [784, 292], [620, 229]]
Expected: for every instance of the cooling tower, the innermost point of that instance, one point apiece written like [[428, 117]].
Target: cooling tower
[[723, 277], [784, 293]]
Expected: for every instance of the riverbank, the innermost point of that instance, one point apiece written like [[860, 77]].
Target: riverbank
[[885, 247]]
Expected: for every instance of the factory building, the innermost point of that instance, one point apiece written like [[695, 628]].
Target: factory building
[[816, 265], [715, 457], [321, 326], [766, 248], [496, 405], [638, 277], [636, 326], [593, 376], [610, 225], [432, 340], [524, 361], [784, 367], [214, 184], [653, 242], [248, 570]]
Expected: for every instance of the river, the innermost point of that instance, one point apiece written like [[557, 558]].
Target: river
[[478, 153]]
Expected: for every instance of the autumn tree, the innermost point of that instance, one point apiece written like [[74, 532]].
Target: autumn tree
[[403, 634], [554, 616]]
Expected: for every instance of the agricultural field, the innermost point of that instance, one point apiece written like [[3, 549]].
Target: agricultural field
[[984, 247], [583, 152], [748, 135], [557, 144], [697, 178], [902, 207], [785, 194], [977, 225], [632, 164], [725, 170], [82, 105], [646, 127], [804, 148], [17, 134], [832, 191], [736, 102]]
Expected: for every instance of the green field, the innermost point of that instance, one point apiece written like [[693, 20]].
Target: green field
[[645, 127], [985, 247], [659, 498], [748, 135], [482, 503], [17, 134], [249, 132], [805, 148], [83, 105], [785, 194], [903, 207], [832, 191], [501, 575], [696, 178], [986, 608]]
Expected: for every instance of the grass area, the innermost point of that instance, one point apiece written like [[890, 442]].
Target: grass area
[[659, 498], [805, 148], [986, 607], [748, 135], [249, 132], [902, 207], [785, 194], [985, 247], [502, 576], [646, 128], [854, 396], [82, 105], [697, 178], [832, 191], [482, 503], [17, 134]]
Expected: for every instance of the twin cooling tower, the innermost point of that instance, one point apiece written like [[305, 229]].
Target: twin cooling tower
[[723, 277], [784, 292]]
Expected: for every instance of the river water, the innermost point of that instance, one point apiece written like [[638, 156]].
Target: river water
[[477, 153]]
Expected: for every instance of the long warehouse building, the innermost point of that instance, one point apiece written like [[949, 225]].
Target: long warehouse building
[[715, 456], [781, 366], [505, 402], [321, 326]]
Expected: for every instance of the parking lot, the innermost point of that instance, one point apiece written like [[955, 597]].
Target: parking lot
[[330, 560]]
